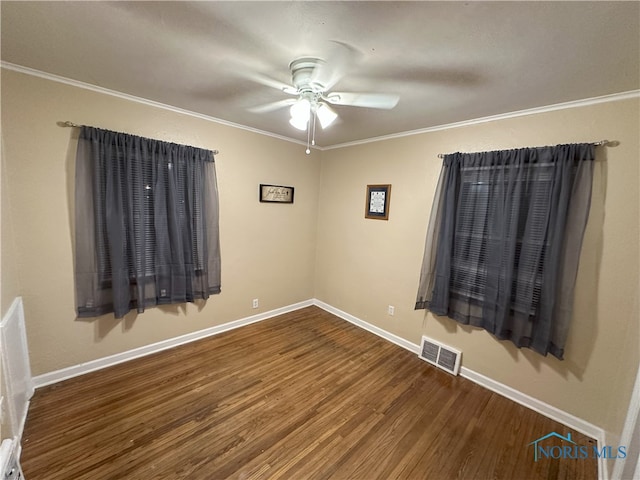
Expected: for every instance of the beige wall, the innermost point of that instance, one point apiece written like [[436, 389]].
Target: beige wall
[[268, 251], [9, 278], [365, 265], [322, 246]]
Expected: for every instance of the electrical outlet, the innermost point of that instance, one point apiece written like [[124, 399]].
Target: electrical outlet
[[391, 310], [254, 304]]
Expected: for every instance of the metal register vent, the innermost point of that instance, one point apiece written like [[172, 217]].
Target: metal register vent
[[440, 355]]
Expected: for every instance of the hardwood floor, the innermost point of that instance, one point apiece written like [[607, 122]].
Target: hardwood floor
[[302, 395]]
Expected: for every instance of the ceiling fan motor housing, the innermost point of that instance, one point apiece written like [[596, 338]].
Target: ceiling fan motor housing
[[302, 75]]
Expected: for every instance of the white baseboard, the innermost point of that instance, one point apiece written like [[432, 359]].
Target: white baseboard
[[81, 369], [539, 406], [571, 421], [549, 411], [406, 344]]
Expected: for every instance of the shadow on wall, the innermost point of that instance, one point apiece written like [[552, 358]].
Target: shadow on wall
[[105, 324], [584, 327]]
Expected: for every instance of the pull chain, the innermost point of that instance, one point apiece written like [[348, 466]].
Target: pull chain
[[308, 150], [313, 138]]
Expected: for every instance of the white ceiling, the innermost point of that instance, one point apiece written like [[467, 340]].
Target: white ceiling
[[448, 61]]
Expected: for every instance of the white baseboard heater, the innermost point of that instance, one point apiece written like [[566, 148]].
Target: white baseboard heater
[[442, 356], [16, 372], [9, 464]]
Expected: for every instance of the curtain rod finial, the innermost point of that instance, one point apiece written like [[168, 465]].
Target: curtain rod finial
[[607, 143], [67, 124]]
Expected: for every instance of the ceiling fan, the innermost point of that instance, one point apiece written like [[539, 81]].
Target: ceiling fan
[[312, 80]]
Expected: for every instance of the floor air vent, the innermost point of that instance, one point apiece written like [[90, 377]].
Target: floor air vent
[[440, 355]]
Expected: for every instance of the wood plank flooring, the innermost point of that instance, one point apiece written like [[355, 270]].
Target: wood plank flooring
[[304, 395]]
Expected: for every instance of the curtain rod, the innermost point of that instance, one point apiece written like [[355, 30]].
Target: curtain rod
[[595, 144], [75, 125]]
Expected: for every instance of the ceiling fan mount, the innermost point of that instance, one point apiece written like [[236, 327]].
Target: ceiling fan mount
[[302, 75]]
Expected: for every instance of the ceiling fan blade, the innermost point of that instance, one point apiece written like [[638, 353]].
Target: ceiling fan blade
[[368, 100], [270, 107], [329, 72], [270, 82]]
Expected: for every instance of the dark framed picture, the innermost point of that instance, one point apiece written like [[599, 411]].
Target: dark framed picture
[[377, 202], [276, 193]]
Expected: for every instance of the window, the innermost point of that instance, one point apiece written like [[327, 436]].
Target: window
[[525, 219], [500, 229], [146, 223]]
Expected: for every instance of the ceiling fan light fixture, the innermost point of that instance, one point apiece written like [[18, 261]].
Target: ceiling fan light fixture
[[326, 115], [300, 113], [298, 123]]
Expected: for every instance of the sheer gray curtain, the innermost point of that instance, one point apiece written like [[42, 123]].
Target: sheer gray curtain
[[146, 223], [504, 241]]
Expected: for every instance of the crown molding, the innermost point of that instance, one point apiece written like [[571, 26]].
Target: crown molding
[[144, 101], [492, 118], [520, 113]]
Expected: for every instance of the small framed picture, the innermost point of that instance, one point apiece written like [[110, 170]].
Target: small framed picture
[[377, 202], [276, 193]]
